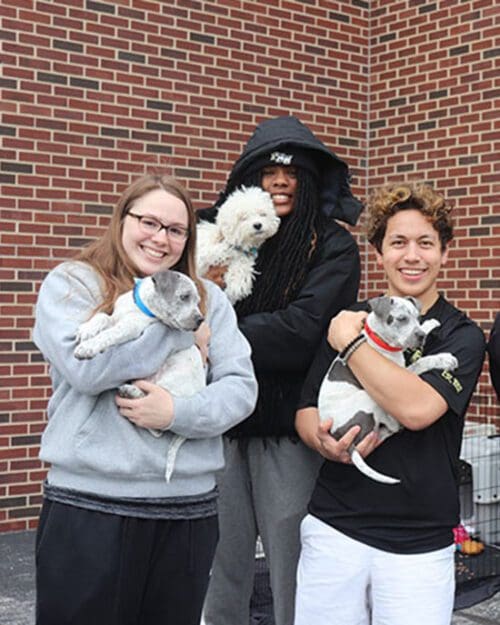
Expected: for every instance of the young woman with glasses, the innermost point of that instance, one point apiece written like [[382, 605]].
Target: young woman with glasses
[[116, 543]]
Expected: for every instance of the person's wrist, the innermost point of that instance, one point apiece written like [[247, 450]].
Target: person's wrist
[[169, 414], [351, 347], [346, 340]]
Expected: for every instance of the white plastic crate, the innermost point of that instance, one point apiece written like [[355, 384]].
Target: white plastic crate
[[487, 522], [471, 428], [466, 504], [483, 454], [482, 497]]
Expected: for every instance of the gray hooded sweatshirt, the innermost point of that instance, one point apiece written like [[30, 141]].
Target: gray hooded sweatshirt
[[90, 446]]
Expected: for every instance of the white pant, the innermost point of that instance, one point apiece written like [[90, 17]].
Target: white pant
[[345, 582]]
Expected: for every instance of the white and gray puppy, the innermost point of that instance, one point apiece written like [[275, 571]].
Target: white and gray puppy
[[169, 297], [244, 221], [391, 327]]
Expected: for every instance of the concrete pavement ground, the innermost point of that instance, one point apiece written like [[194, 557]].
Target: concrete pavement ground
[[17, 580], [17, 587]]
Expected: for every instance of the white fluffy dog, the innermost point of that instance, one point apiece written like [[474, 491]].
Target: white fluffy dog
[[245, 220]]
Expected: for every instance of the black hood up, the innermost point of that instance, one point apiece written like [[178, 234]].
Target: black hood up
[[337, 200]]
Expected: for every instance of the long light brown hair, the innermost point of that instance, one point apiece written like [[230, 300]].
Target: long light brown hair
[[108, 257]]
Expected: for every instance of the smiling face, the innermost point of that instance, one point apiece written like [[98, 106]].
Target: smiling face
[[152, 252], [281, 183], [412, 256]]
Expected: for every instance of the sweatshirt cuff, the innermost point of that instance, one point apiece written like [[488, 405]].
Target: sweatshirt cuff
[[184, 409]]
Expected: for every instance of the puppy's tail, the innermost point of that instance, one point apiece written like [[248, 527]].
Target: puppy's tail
[[173, 448], [358, 461]]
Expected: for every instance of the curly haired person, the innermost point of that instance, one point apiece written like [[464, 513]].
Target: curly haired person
[[378, 553]]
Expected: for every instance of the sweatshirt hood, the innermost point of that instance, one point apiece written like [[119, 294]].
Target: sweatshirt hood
[[337, 200]]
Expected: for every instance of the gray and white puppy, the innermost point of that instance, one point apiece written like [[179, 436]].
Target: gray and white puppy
[[391, 327], [169, 297]]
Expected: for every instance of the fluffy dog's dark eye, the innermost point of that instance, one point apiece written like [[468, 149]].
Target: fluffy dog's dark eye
[[185, 297], [403, 319]]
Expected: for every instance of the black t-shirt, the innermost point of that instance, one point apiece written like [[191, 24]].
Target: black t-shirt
[[494, 354], [418, 514]]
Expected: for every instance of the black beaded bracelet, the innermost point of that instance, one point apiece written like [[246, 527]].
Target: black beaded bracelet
[[350, 348]]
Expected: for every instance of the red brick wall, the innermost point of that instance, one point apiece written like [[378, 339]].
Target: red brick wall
[[93, 92]]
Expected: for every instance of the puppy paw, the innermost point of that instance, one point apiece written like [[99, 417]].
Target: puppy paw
[[129, 391], [84, 351], [84, 333], [448, 361], [429, 325], [92, 327]]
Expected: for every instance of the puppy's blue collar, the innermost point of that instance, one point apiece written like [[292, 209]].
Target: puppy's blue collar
[[253, 251], [138, 301]]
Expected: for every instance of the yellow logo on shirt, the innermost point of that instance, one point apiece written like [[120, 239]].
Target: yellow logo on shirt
[[449, 377]]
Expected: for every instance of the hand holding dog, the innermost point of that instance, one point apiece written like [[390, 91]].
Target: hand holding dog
[[317, 436], [345, 327], [202, 340], [216, 273], [153, 411], [338, 450]]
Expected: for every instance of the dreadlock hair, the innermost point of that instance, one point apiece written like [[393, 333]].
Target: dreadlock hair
[[284, 259], [281, 267]]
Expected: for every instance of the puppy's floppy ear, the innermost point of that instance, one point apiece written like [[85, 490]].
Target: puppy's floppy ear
[[415, 302], [165, 281], [380, 305]]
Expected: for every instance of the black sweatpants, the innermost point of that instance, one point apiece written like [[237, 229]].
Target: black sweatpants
[[105, 569]]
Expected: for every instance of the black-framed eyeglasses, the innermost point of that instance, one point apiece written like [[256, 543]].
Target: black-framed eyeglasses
[[150, 225]]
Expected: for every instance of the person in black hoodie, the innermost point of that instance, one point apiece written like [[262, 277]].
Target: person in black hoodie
[[306, 273]]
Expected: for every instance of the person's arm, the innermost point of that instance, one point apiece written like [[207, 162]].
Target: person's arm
[[67, 297], [415, 401], [287, 339], [217, 274], [403, 394], [316, 434]]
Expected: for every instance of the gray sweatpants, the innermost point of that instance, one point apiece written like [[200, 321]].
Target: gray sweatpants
[[264, 490]]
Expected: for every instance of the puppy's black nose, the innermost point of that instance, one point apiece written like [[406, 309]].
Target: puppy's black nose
[[198, 321], [257, 226]]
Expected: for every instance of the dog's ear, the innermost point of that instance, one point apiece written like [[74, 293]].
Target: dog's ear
[[165, 280], [415, 302], [380, 305]]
